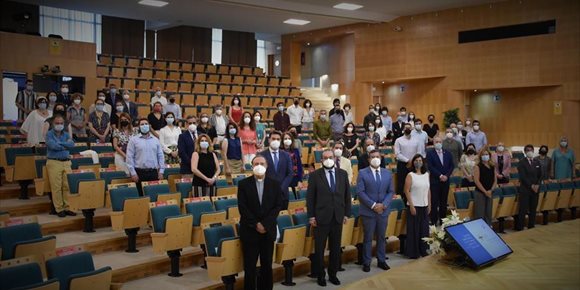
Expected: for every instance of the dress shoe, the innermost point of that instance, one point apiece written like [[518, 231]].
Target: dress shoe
[[334, 280], [366, 268], [71, 213], [321, 282], [61, 214], [383, 266]]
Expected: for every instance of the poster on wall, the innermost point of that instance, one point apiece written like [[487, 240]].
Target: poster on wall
[[557, 107], [55, 46]]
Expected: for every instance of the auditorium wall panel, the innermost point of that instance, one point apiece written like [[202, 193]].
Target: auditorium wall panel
[[122, 36], [185, 43], [239, 48]]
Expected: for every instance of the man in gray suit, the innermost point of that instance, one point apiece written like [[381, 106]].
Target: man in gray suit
[[328, 202]]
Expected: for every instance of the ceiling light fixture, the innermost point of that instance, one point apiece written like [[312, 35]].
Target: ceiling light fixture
[[293, 21], [348, 6], [154, 3]]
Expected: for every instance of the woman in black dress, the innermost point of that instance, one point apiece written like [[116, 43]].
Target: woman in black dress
[[205, 167], [485, 181], [156, 119], [351, 141]]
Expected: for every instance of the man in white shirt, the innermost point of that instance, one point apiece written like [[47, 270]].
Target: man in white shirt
[[421, 137], [405, 148], [296, 112], [341, 161], [158, 97], [219, 121]]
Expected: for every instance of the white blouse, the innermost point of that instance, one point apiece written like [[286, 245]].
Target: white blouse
[[419, 189], [168, 137], [308, 115], [33, 125]]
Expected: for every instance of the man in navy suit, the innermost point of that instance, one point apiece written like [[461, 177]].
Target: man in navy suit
[[112, 95], [186, 145], [130, 107], [375, 191], [279, 165], [440, 164]]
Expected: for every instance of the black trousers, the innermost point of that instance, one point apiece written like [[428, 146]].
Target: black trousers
[[145, 175], [417, 229], [402, 172], [252, 248], [332, 232], [439, 195], [528, 202]]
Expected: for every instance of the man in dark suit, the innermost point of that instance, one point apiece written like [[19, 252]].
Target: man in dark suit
[[530, 174], [186, 145], [259, 203], [279, 165], [64, 96], [130, 106], [375, 189], [398, 128], [371, 116], [112, 95], [328, 202], [440, 164]]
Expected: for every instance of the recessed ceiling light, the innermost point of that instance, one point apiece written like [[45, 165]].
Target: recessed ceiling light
[[308, 43], [293, 21], [154, 3], [347, 6]]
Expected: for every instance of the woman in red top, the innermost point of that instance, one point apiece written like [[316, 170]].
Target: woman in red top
[[236, 110], [248, 136]]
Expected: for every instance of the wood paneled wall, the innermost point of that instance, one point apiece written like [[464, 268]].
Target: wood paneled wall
[[184, 43], [149, 44], [427, 48], [75, 58], [238, 47], [121, 36]]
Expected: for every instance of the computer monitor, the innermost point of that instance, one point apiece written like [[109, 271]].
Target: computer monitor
[[479, 242]]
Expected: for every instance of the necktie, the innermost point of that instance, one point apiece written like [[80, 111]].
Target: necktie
[[378, 176], [338, 163], [276, 160], [332, 183]]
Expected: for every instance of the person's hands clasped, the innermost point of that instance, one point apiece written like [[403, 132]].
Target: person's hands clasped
[[260, 228], [312, 222]]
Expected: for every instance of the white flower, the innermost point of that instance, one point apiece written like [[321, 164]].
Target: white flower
[[432, 230]]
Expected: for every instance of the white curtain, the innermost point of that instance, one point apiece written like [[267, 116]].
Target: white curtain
[[71, 25]]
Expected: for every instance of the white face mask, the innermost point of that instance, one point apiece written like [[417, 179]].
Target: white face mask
[[500, 148], [485, 157], [376, 162], [204, 144], [236, 102], [257, 118], [247, 120], [328, 163], [64, 90], [418, 127], [170, 121], [307, 105], [126, 97], [337, 152], [158, 93], [370, 148], [371, 128], [449, 135], [459, 126], [120, 108], [349, 129], [77, 101], [438, 146], [287, 142], [52, 99], [219, 112], [259, 170], [530, 154], [281, 109], [377, 121], [204, 120], [192, 128], [323, 117], [275, 144], [476, 128]]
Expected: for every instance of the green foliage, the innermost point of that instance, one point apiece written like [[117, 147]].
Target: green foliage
[[450, 116]]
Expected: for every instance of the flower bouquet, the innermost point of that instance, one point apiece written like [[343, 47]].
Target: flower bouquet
[[442, 244]]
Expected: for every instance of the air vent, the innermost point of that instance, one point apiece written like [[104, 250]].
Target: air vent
[[510, 31]]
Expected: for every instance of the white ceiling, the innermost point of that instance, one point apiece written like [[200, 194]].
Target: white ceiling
[[264, 17]]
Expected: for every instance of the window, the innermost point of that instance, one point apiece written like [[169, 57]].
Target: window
[[216, 46], [71, 25], [261, 54]]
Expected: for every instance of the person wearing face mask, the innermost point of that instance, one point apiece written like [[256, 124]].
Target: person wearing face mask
[[279, 165], [219, 121], [51, 97], [112, 95], [340, 161], [371, 133], [412, 118], [484, 175], [329, 205], [205, 167], [25, 100], [377, 108], [381, 130], [563, 161], [419, 202], [363, 159], [421, 136], [348, 116], [457, 134], [34, 122], [186, 145], [168, 137], [232, 150], [308, 115], [453, 146], [387, 121], [545, 162], [440, 164], [158, 96], [399, 126], [337, 123], [64, 96], [281, 118], [259, 203], [287, 146], [108, 109], [156, 119], [468, 125], [351, 140], [58, 165], [236, 110], [77, 117], [261, 129], [173, 107], [58, 110], [476, 137], [121, 136], [99, 124], [296, 113], [370, 117], [322, 131], [204, 127], [502, 158], [431, 128], [145, 156], [117, 111], [466, 164], [335, 107], [248, 136], [375, 190], [405, 148], [461, 132], [530, 176], [130, 106], [297, 143]]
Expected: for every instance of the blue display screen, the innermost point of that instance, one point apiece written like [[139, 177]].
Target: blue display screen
[[479, 241]]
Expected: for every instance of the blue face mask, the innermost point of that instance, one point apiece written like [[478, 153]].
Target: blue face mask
[[232, 131], [100, 108], [144, 128], [59, 127]]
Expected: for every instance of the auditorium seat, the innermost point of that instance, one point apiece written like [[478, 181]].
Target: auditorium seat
[[25, 276], [289, 246], [153, 189], [25, 240], [464, 203], [130, 211], [564, 198], [77, 271], [547, 204], [87, 193], [224, 254], [228, 203]]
